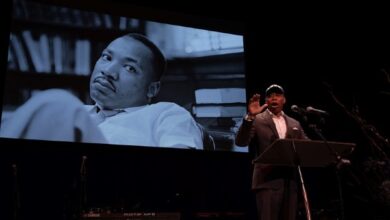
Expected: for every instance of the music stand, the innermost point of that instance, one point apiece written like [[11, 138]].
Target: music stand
[[305, 153]]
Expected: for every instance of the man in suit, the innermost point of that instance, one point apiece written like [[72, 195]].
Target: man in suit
[[275, 187]]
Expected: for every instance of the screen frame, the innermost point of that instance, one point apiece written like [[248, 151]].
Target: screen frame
[[150, 12]]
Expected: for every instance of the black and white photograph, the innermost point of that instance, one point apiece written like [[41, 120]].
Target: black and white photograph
[[187, 90]]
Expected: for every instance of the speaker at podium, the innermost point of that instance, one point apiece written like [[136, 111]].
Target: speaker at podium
[[304, 153], [308, 153]]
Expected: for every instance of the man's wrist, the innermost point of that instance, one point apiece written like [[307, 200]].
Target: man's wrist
[[249, 117]]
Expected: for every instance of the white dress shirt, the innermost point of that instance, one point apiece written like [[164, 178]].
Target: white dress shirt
[[280, 124], [162, 124]]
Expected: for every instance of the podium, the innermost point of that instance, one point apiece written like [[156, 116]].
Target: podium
[[304, 153], [309, 153]]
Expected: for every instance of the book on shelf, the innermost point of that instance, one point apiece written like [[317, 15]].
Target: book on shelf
[[82, 54], [11, 61], [107, 20], [46, 56], [226, 123], [122, 23], [220, 95], [220, 111], [21, 59], [68, 55], [212, 110], [57, 54], [33, 50]]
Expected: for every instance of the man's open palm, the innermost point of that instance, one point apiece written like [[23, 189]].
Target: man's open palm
[[254, 106]]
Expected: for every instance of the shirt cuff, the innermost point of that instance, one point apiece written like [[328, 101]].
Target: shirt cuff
[[249, 117]]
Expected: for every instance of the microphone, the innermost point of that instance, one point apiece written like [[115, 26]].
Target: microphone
[[83, 184], [316, 111], [298, 110], [83, 169]]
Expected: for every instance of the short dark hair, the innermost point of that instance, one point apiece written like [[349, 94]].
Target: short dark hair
[[159, 63]]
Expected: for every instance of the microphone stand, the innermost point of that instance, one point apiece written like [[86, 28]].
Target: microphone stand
[[83, 185], [339, 162], [297, 162], [16, 192]]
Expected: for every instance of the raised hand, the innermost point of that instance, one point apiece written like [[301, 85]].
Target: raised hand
[[254, 106]]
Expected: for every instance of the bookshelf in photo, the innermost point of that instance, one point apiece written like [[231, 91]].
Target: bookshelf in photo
[[221, 111], [54, 46]]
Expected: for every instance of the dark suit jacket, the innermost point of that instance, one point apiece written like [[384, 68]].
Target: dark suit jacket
[[264, 133]]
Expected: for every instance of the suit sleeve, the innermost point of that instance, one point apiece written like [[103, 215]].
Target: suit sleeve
[[245, 133]]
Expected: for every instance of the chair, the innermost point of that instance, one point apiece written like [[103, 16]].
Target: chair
[[208, 140]]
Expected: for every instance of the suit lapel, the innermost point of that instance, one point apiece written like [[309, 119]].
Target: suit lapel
[[271, 124], [289, 131]]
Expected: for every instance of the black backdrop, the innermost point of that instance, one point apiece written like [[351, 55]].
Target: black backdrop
[[301, 49]]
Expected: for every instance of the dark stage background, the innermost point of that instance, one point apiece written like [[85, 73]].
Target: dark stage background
[[319, 57]]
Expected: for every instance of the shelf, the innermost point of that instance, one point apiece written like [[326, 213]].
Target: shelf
[[95, 33], [21, 85], [30, 80]]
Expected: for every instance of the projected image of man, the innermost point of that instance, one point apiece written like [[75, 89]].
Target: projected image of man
[[123, 83]]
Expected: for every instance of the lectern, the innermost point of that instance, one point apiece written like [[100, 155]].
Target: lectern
[[310, 153], [304, 153]]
